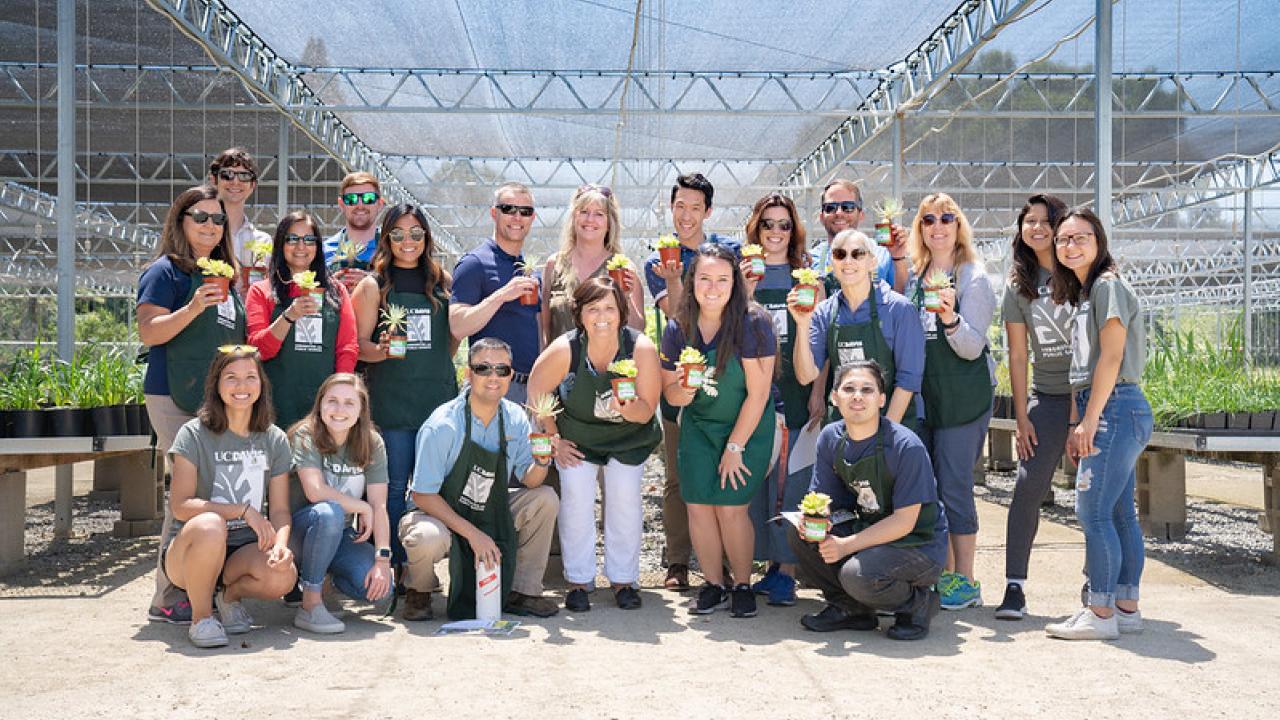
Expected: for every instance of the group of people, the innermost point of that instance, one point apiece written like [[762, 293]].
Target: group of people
[[328, 399]]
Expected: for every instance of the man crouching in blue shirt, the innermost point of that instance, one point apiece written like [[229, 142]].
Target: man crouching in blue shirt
[[888, 538]]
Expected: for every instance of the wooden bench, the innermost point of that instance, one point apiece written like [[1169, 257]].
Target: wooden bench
[[126, 465]]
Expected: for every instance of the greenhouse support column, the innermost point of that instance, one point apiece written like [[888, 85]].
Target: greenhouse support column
[[897, 156], [282, 167], [1102, 124], [66, 221], [1248, 263]]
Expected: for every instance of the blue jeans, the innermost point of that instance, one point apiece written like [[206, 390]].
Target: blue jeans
[[329, 547], [1104, 496], [954, 451], [401, 450], [771, 537]]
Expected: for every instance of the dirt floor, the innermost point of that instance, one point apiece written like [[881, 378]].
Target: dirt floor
[[74, 642]]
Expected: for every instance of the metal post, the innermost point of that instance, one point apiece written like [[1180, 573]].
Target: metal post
[[897, 157], [282, 167], [66, 220], [1102, 122], [1248, 262]]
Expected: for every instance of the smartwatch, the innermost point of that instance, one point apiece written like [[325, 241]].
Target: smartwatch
[[734, 447], [384, 552]]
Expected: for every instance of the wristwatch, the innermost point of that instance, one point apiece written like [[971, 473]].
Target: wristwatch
[[734, 447], [384, 553]]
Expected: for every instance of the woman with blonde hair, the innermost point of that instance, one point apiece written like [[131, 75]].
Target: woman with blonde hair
[[956, 301]]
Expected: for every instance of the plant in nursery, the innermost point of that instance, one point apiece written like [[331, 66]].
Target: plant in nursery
[[394, 320], [935, 282], [215, 268], [806, 288], [306, 280], [259, 252], [542, 407], [624, 386], [668, 241], [623, 368], [887, 210], [755, 254], [816, 508], [348, 253], [618, 262]]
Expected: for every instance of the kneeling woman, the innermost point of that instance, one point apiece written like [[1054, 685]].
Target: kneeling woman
[[225, 463], [340, 470], [599, 430], [726, 430]]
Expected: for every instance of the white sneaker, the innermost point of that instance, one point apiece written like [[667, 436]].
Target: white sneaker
[[235, 619], [1084, 625], [207, 633], [318, 620], [1129, 622]]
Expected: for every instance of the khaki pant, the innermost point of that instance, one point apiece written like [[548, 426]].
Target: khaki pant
[[675, 516], [426, 540], [166, 419]]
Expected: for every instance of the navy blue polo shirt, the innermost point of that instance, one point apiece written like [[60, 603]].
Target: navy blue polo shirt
[[484, 271]]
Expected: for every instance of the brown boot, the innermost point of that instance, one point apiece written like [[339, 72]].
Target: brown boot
[[417, 605]]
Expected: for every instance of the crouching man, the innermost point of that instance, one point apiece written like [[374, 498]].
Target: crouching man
[[468, 449], [888, 538]]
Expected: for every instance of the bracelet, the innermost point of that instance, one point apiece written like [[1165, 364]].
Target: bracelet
[[286, 317], [901, 259], [244, 512], [952, 326]]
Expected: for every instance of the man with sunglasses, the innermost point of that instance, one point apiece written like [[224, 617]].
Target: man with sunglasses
[[487, 286], [360, 199], [469, 450], [842, 208], [234, 174]]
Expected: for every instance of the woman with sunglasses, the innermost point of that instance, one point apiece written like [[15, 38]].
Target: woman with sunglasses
[[590, 235], [1108, 353], [404, 390], [726, 428], [1032, 319], [959, 375], [182, 322], [775, 226], [227, 461], [303, 338], [599, 432]]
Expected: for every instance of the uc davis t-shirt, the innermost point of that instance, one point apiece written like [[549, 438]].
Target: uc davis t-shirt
[[339, 473]]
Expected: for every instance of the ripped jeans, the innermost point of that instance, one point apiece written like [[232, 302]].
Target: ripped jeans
[[1113, 546]]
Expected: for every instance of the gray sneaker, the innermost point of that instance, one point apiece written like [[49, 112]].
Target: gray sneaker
[[1129, 622], [207, 633], [235, 619], [318, 620]]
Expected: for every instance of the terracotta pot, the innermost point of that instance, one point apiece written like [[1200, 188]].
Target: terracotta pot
[[397, 346], [806, 297], [884, 233], [530, 297], [624, 388], [669, 255], [814, 527], [222, 283], [691, 376], [540, 445], [619, 278], [251, 275]]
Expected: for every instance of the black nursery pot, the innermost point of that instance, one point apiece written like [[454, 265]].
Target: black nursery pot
[[133, 418], [103, 421], [26, 423], [66, 422]]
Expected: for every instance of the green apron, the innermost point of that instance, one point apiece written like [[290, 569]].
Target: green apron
[[476, 489], [795, 397], [404, 391], [863, 341], [307, 356], [955, 391], [871, 484], [589, 422], [705, 425], [190, 353]]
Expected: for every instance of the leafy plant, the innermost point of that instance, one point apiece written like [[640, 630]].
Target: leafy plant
[[259, 251], [527, 264], [938, 280], [306, 280], [623, 368], [618, 262], [888, 209], [348, 251], [26, 381], [544, 406], [394, 318], [668, 241], [215, 268], [1185, 376], [805, 276], [752, 250], [816, 504], [691, 356]]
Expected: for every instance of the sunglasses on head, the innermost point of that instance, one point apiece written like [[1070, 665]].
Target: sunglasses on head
[[847, 206], [783, 225], [366, 198], [234, 349], [241, 175], [308, 240], [841, 253], [945, 218], [597, 188], [397, 235], [509, 209], [487, 369], [201, 217]]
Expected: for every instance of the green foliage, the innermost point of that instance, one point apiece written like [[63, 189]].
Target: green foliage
[[24, 383], [95, 377], [1185, 376]]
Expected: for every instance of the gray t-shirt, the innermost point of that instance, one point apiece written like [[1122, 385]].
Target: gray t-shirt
[[232, 469], [1049, 330], [1110, 297], [350, 480]]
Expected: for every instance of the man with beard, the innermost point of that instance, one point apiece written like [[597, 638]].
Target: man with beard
[[360, 198]]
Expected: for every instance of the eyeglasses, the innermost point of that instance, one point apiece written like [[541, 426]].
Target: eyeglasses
[[416, 234], [856, 253], [486, 369], [929, 219], [201, 217], [864, 390], [847, 206], [597, 188], [1079, 240], [509, 209], [783, 225], [308, 240], [366, 198], [241, 175], [238, 350]]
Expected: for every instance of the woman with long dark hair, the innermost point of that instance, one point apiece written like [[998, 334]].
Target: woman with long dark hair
[[303, 338], [1033, 320], [726, 428], [403, 390], [1109, 344]]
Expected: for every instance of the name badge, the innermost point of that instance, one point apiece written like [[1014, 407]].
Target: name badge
[[779, 323], [308, 333], [227, 312]]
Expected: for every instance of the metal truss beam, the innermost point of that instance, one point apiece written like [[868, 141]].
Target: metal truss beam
[[125, 237], [1193, 194]]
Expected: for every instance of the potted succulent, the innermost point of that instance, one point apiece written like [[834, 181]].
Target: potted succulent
[[815, 509], [307, 283], [259, 254], [543, 407], [806, 288], [617, 267], [348, 254], [935, 282], [395, 319], [218, 273], [624, 386], [692, 366], [526, 266], [668, 249], [755, 254], [886, 211]]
